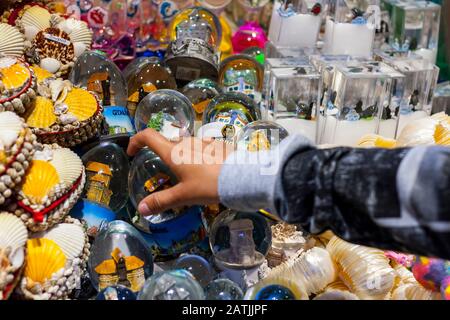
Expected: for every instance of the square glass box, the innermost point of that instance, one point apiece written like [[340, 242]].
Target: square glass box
[[294, 98], [288, 17], [441, 98], [420, 81], [355, 18], [273, 50], [354, 105], [416, 24]]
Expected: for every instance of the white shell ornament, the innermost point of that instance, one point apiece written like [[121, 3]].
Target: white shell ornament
[[70, 237], [50, 64], [12, 42]]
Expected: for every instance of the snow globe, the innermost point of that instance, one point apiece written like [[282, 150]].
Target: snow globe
[[197, 266], [174, 231], [249, 35], [239, 240], [93, 214], [195, 35], [226, 114], [200, 92], [116, 292], [168, 112], [119, 256], [242, 73], [274, 292], [260, 135], [106, 169], [172, 285], [255, 52], [223, 289], [293, 99], [148, 77]]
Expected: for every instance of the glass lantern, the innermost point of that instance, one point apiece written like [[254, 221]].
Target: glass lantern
[[288, 17], [415, 25], [420, 80], [350, 28], [294, 99], [195, 36], [354, 103]]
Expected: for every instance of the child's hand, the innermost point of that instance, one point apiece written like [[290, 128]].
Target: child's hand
[[195, 162]]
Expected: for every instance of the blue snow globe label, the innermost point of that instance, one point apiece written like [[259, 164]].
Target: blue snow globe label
[[118, 121]]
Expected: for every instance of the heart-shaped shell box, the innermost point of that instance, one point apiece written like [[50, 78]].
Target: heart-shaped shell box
[[17, 147], [54, 43], [17, 84], [51, 187], [55, 261], [13, 236], [62, 113]]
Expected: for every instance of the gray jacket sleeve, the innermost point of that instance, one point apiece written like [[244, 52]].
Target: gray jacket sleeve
[[392, 199]]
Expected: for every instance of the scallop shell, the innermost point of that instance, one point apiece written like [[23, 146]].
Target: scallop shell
[[37, 17], [77, 30], [41, 115], [418, 132], [13, 232], [414, 292], [68, 165], [41, 178], [366, 271], [373, 140], [336, 291], [313, 270], [15, 76], [70, 237], [11, 125], [82, 104], [44, 258], [41, 74], [12, 42], [61, 50]]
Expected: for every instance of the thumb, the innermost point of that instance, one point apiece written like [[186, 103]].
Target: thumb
[[162, 201]]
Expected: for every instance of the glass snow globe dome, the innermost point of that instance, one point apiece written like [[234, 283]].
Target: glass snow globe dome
[[119, 256], [96, 73], [200, 92], [260, 135], [227, 114], [148, 77], [239, 240], [168, 112]]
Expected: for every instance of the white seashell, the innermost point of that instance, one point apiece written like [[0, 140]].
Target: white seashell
[[68, 165], [36, 16], [30, 32], [78, 31], [11, 41], [69, 237], [415, 291], [13, 232], [418, 132], [50, 64], [11, 125], [7, 62], [67, 118], [79, 48], [56, 87]]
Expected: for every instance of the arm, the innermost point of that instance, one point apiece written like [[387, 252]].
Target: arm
[[393, 199]]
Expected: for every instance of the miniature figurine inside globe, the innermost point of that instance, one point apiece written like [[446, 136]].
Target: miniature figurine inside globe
[[119, 256], [150, 76], [260, 135], [275, 292], [96, 73], [116, 292], [242, 73], [200, 269], [239, 240], [168, 112], [227, 114], [198, 23], [171, 285], [200, 92], [106, 170], [223, 289]]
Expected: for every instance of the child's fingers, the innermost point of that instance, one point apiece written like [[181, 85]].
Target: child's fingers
[[152, 139]]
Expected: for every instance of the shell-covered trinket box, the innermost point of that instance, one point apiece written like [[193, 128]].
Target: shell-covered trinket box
[[13, 236], [62, 113], [17, 146], [51, 187], [55, 261], [53, 42], [17, 84]]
